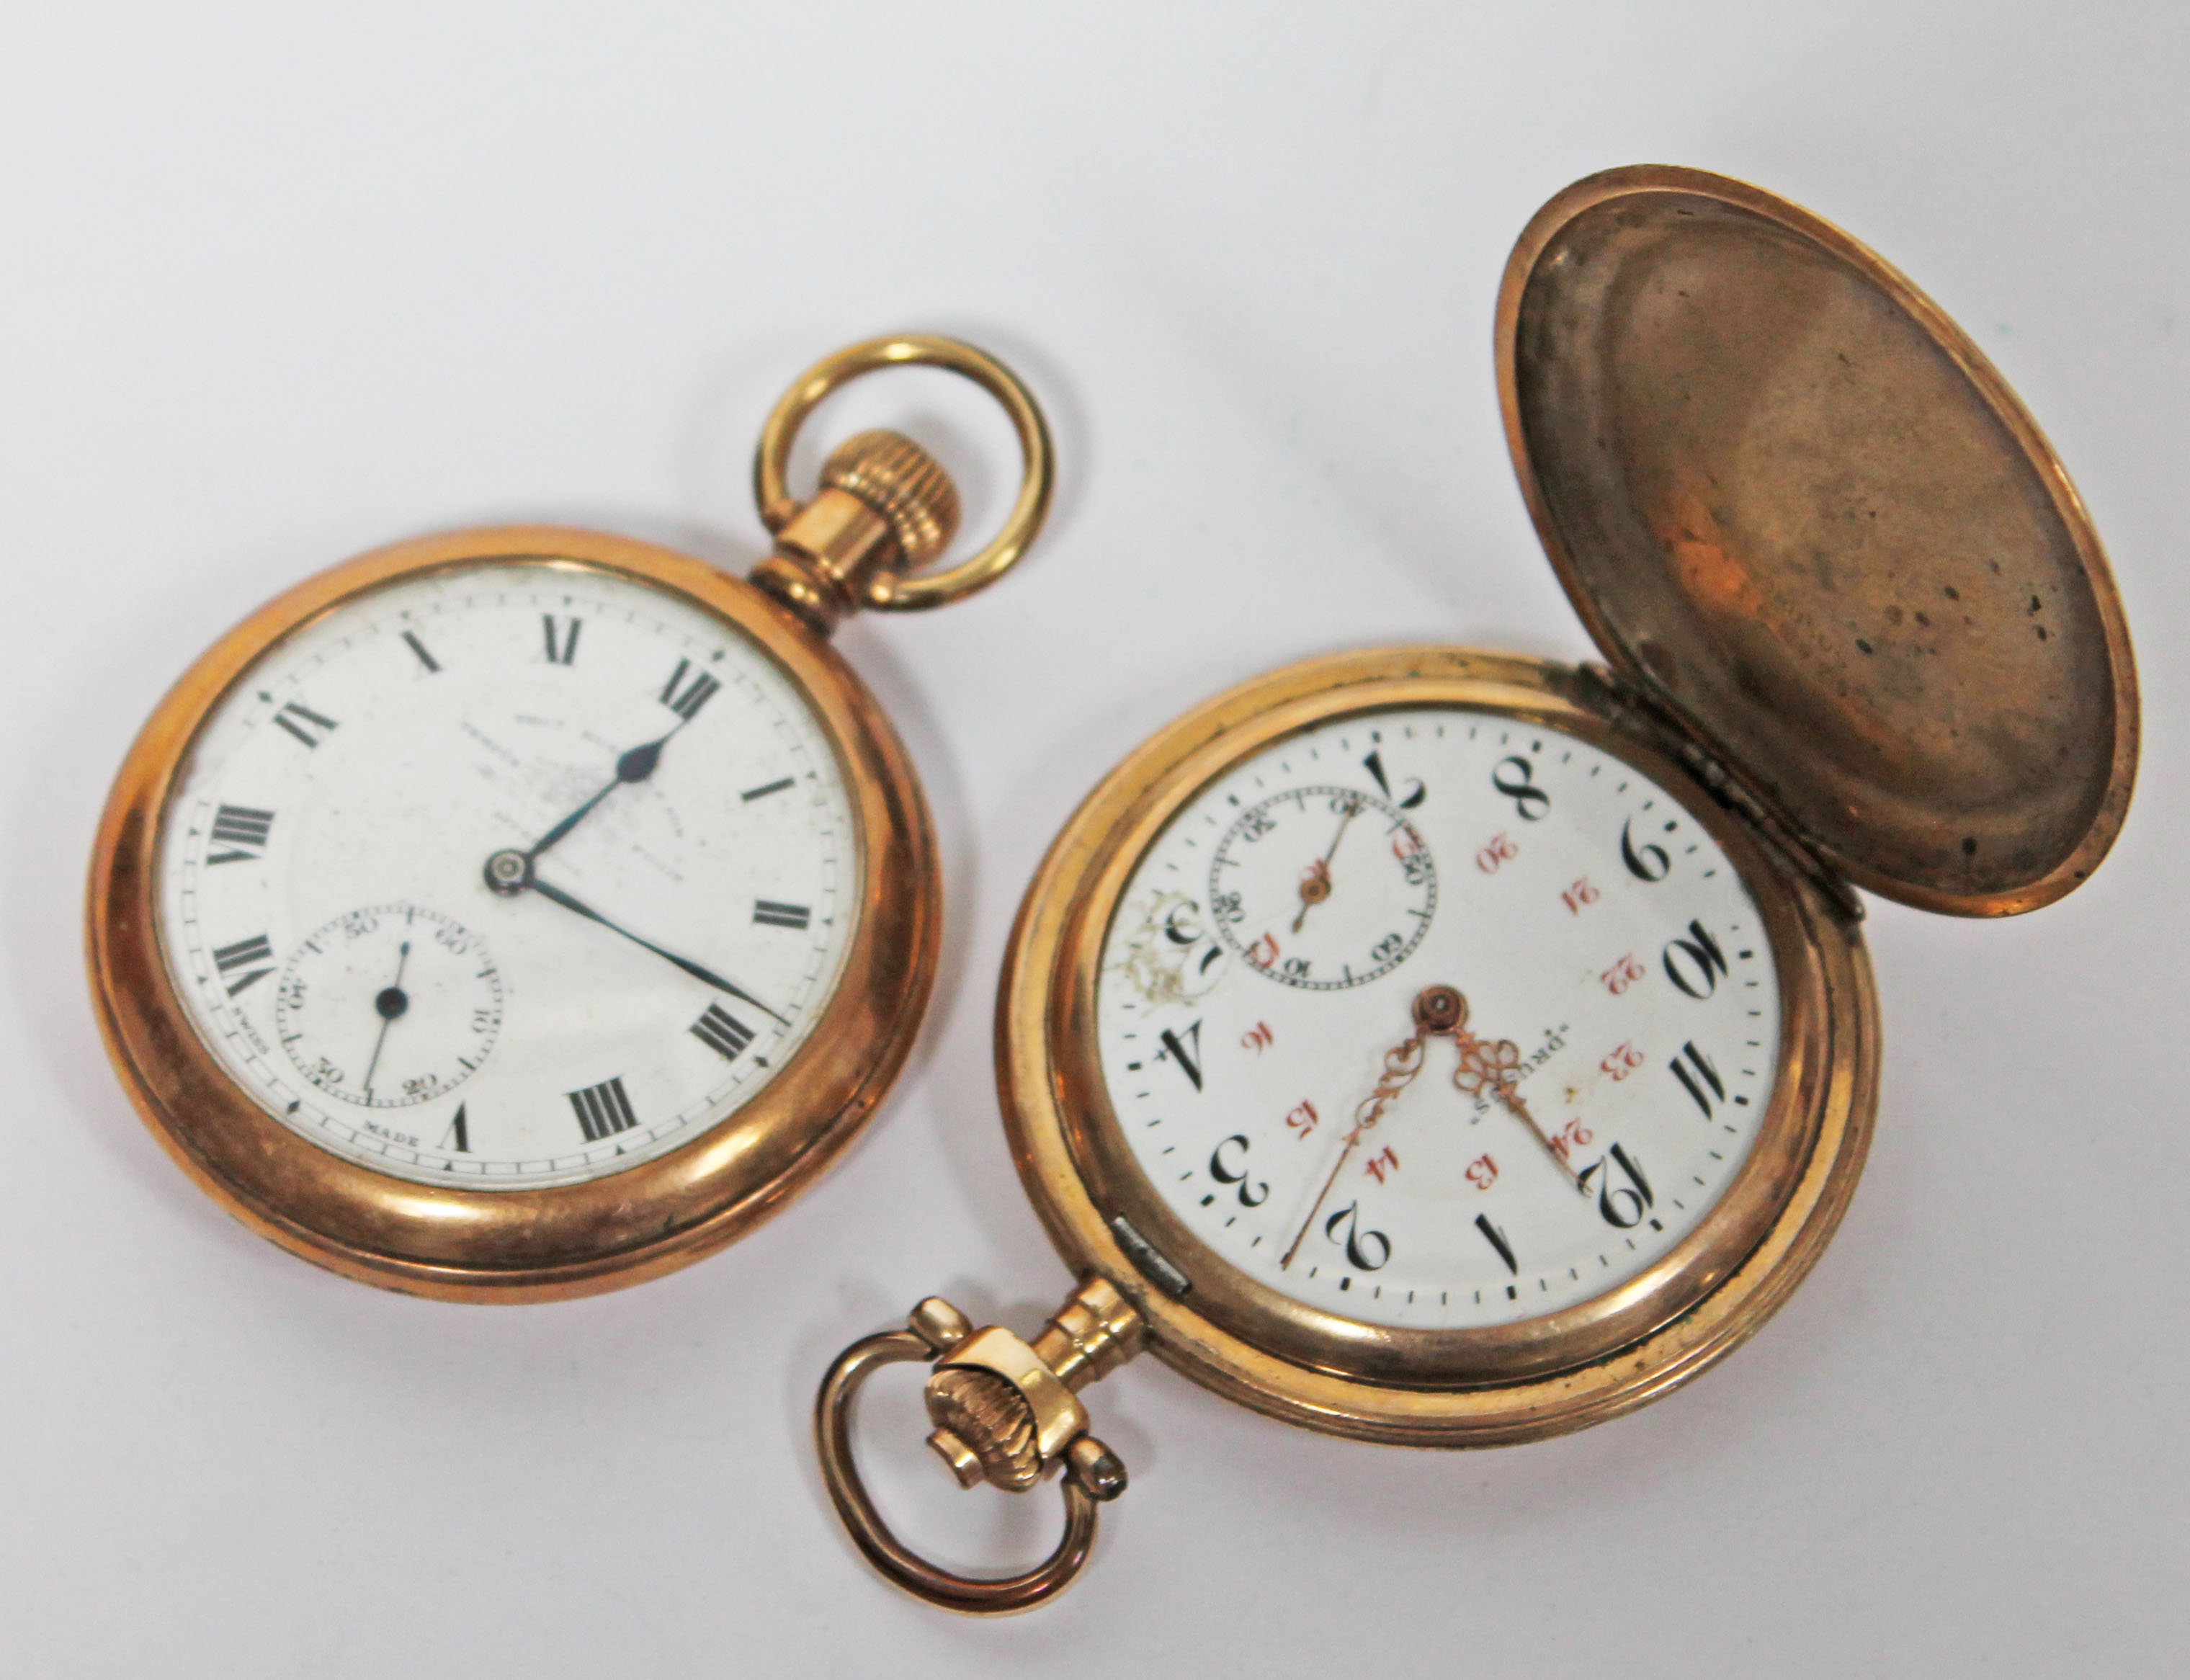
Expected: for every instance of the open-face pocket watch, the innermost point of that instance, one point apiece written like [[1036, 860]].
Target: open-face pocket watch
[[1453, 1048], [524, 913]]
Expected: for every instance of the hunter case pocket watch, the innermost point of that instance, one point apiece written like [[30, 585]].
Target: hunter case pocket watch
[[1453, 1048], [520, 913]]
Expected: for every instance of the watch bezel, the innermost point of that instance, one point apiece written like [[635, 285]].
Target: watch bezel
[[455, 1243], [1283, 1357]]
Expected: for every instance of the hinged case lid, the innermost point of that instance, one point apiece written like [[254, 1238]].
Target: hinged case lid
[[1790, 497]]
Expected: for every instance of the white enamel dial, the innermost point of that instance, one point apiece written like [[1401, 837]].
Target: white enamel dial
[[1618, 1056], [508, 876], [340, 1000], [1268, 906]]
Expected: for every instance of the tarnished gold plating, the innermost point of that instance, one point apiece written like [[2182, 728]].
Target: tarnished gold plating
[[571, 1239], [1512, 1382]]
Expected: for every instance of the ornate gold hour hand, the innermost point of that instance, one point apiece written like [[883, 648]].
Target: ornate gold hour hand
[[1315, 879], [1437, 1009], [1490, 1069]]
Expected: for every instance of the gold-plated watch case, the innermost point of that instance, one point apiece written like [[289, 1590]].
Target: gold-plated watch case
[[884, 508], [1426, 1387], [1857, 621], [1794, 505]]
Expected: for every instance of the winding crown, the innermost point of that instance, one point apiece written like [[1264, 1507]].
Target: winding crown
[[904, 483], [885, 506]]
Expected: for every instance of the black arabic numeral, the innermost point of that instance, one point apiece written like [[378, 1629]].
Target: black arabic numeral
[[1176, 1048], [1223, 1176], [1697, 1073], [1366, 1251], [1533, 804], [1496, 1239], [1416, 793], [1698, 975], [1623, 1206], [1645, 862]]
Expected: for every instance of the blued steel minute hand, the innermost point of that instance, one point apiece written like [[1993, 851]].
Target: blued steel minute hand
[[557, 895]]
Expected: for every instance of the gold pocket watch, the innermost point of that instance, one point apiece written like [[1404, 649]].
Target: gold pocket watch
[[1453, 1048], [521, 913]]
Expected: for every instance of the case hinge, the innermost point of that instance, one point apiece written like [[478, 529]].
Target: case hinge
[[1660, 721]]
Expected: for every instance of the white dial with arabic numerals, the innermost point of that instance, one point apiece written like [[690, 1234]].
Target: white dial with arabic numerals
[[1618, 1056], [508, 876]]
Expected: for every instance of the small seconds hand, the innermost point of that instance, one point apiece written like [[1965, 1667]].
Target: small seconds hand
[[391, 1002], [1315, 879]]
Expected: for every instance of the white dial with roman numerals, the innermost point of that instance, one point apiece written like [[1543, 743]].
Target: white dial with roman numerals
[[508, 876], [1616, 1058]]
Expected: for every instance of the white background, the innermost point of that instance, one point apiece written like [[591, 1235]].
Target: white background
[[279, 283]]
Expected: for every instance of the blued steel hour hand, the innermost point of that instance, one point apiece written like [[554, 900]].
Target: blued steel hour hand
[[635, 765], [511, 872]]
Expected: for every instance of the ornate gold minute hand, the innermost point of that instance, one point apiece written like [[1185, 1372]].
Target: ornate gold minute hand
[[1490, 1069], [1437, 1009], [1315, 879]]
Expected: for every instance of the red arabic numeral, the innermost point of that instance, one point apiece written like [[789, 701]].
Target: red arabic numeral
[[1621, 974], [1497, 854], [1568, 1138]]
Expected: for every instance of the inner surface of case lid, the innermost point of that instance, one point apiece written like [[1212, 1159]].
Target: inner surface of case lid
[[1787, 495]]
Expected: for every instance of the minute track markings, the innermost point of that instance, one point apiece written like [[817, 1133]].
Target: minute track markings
[[360, 674], [1580, 833], [243, 830]]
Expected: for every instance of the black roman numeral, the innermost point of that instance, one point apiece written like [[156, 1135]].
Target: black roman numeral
[[1189, 1061], [602, 1111], [243, 954], [1496, 1239], [781, 915], [419, 648], [306, 724], [686, 698], [242, 830], [1704, 1074], [458, 1137], [722, 1032], [562, 637], [753, 793]]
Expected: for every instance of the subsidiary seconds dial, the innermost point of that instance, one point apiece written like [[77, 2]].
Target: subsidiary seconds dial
[[389, 1006], [509, 876], [1322, 887], [1555, 1089]]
